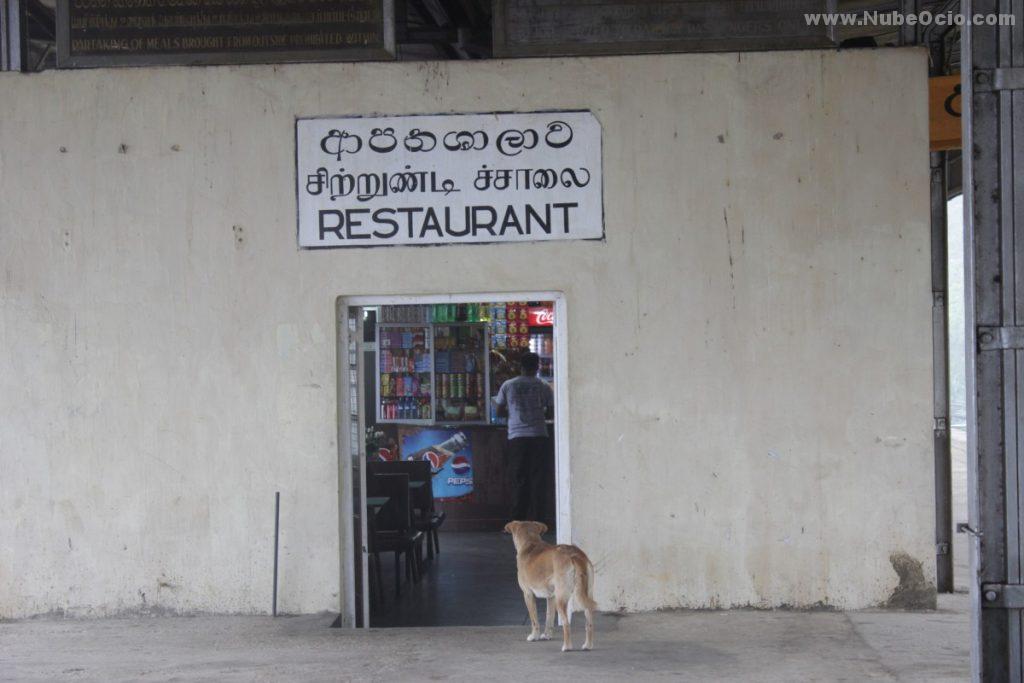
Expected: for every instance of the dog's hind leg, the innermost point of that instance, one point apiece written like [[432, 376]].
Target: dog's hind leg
[[531, 607], [589, 642], [563, 602], [549, 620]]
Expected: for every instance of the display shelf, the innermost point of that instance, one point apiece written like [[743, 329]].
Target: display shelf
[[460, 373], [432, 373], [404, 374]]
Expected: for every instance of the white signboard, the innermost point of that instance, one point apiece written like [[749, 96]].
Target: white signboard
[[448, 179]]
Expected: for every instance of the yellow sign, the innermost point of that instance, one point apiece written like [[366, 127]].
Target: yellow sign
[[944, 113]]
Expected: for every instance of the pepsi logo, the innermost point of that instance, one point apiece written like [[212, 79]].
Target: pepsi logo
[[460, 465], [436, 461]]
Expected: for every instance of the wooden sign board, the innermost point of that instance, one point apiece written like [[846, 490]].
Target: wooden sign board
[[944, 122], [530, 28], [150, 32]]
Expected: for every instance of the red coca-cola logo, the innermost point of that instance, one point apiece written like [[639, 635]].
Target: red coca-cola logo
[[542, 316]]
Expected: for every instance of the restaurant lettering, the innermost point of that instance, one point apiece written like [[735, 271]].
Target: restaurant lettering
[[449, 179]]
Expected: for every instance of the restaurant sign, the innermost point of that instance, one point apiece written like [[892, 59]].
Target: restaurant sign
[[448, 179]]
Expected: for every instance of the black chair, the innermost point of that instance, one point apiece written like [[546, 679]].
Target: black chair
[[393, 529], [425, 516]]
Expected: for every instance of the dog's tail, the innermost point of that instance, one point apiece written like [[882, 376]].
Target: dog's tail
[[584, 596]]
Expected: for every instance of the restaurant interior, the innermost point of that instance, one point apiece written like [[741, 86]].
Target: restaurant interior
[[438, 487]]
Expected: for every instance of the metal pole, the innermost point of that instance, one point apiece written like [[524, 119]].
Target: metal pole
[[10, 35], [935, 39], [940, 379], [908, 33], [277, 528], [993, 118]]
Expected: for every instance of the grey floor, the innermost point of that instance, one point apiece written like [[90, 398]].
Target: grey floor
[[472, 582], [690, 646]]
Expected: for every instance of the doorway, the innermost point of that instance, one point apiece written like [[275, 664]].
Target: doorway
[[416, 380]]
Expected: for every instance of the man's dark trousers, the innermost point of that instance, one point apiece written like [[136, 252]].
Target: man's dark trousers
[[528, 456]]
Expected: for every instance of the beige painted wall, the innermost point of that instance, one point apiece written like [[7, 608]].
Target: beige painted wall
[[749, 349]]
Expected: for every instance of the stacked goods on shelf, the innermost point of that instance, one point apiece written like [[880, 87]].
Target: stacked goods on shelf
[[518, 325], [459, 365], [404, 367], [459, 313], [405, 314], [542, 344], [509, 323]]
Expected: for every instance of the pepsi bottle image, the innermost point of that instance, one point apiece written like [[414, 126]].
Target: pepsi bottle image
[[441, 453]]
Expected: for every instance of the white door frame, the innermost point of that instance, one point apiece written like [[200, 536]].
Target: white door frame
[[563, 517]]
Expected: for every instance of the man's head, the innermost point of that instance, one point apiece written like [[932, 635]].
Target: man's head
[[529, 364]]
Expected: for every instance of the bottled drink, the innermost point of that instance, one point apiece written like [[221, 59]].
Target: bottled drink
[[443, 451]]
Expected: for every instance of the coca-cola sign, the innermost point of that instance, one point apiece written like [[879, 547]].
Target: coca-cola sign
[[541, 316]]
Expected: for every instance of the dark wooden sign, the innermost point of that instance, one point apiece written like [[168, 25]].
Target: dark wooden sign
[[525, 28], [147, 32]]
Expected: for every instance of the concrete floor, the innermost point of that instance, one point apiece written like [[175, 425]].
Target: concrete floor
[[689, 646]]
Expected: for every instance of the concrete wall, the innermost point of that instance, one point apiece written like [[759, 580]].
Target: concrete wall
[[749, 348]]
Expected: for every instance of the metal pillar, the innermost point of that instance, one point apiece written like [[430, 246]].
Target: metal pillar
[[940, 379], [934, 38], [993, 96], [909, 33], [10, 35]]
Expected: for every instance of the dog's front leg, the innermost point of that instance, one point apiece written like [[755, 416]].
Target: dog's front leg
[[549, 619], [531, 607]]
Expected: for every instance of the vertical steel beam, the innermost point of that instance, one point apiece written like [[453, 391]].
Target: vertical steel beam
[[909, 31], [935, 40], [940, 379], [992, 59], [11, 45]]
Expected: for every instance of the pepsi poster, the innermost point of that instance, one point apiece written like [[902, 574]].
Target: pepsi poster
[[450, 457]]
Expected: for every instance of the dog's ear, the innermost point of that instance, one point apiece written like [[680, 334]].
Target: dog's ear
[[509, 527], [541, 527]]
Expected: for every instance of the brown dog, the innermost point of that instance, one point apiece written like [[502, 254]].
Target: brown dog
[[559, 573]]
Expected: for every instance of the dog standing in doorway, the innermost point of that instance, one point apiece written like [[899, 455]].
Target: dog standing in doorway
[[561, 573]]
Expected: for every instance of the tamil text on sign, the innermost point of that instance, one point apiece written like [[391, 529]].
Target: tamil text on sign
[[448, 179]]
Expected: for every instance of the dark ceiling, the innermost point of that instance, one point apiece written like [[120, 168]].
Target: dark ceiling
[[461, 29]]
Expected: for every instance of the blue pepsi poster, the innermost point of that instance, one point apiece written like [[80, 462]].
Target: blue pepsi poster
[[450, 458]]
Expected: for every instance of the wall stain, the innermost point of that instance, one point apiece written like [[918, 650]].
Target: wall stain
[[728, 242], [913, 591]]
